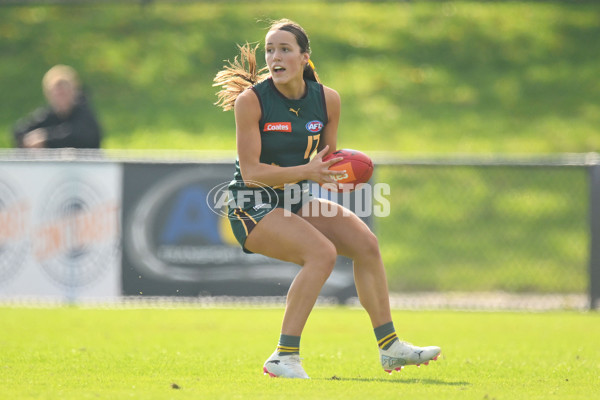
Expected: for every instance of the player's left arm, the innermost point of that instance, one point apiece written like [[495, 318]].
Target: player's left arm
[[329, 134]]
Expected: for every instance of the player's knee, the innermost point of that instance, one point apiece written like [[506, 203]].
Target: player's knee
[[369, 246], [329, 257], [323, 257]]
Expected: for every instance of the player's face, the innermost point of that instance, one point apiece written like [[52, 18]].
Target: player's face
[[283, 56]]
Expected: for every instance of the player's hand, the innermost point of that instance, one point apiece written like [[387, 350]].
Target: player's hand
[[319, 170]]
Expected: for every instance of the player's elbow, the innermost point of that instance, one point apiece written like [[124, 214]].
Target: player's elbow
[[250, 177], [252, 183]]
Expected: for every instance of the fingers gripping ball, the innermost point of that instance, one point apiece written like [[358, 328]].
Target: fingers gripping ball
[[357, 167]]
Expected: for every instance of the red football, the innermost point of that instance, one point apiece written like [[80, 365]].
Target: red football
[[357, 165]]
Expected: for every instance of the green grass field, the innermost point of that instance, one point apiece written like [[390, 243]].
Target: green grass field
[[86, 353]]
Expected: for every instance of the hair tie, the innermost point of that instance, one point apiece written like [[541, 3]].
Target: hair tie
[[311, 64]]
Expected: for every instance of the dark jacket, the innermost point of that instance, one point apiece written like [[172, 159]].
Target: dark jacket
[[79, 130]]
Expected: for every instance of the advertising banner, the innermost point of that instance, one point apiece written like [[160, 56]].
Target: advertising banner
[[59, 230], [176, 244]]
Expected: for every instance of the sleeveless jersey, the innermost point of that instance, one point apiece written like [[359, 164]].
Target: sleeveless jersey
[[290, 130]]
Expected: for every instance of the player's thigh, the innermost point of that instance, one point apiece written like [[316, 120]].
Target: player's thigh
[[350, 235], [288, 237]]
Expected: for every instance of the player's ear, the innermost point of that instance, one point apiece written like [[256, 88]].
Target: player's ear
[[305, 58]]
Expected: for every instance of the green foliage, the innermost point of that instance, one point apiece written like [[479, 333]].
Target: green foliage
[[414, 77], [71, 353]]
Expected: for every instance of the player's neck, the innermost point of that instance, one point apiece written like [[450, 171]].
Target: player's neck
[[292, 90]]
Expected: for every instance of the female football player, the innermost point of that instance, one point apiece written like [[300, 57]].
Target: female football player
[[283, 116]]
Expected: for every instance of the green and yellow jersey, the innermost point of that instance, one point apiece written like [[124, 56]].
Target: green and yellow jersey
[[290, 130]]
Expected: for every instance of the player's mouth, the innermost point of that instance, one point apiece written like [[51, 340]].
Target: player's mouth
[[278, 69]]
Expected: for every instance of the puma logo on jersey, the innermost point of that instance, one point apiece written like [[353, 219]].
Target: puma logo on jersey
[[295, 111]]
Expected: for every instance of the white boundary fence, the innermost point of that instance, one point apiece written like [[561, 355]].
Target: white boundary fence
[[62, 229]]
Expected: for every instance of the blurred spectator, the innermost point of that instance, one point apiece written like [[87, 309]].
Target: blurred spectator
[[67, 120]]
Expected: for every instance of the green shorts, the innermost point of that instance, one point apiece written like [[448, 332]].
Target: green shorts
[[243, 220]]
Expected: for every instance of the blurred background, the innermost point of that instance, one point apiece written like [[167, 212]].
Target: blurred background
[[482, 116]]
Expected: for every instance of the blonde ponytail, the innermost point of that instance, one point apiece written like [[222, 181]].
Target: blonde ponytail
[[239, 75]]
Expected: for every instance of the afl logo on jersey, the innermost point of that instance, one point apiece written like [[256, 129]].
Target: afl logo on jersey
[[314, 126]]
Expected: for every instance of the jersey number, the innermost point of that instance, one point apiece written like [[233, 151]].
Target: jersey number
[[313, 143]]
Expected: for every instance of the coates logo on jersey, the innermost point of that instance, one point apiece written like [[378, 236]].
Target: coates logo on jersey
[[278, 127], [314, 126]]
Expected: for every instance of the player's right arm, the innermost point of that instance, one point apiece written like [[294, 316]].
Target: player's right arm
[[248, 142]]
